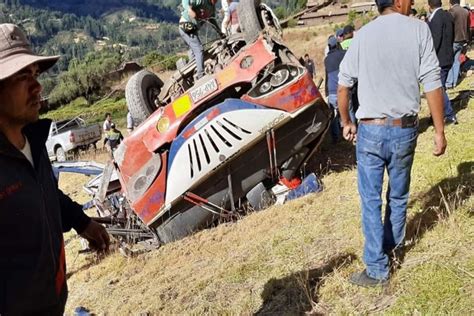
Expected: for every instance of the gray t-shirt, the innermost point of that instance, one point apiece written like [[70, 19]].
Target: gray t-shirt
[[389, 57]]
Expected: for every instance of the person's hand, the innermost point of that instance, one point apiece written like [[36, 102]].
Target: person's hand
[[440, 144], [97, 237], [349, 132]]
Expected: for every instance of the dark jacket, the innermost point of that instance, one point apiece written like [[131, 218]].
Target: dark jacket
[[331, 63], [461, 24], [34, 213], [442, 31]]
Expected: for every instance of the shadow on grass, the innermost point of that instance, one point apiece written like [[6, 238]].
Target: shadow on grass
[[439, 202], [459, 103], [332, 157], [92, 261], [298, 292]]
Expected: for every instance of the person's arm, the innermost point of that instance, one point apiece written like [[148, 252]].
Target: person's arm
[[436, 28], [469, 27], [72, 216], [436, 104], [348, 75], [430, 78], [189, 11], [349, 129]]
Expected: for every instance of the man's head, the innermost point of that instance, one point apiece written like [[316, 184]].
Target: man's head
[[332, 42], [339, 34], [399, 6], [434, 4], [19, 70], [108, 116], [112, 125], [306, 57], [348, 31]]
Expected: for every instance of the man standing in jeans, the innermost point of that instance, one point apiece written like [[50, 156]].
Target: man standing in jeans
[[388, 58], [461, 37], [194, 13]]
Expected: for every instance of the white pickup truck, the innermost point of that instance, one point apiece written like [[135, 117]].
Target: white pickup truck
[[68, 136]]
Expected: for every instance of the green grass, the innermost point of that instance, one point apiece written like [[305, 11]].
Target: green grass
[[94, 113]]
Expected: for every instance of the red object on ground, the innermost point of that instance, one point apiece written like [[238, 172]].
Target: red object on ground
[[290, 184]]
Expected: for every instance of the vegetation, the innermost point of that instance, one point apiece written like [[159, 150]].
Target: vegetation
[[73, 35], [91, 113], [161, 62], [84, 78], [286, 8]]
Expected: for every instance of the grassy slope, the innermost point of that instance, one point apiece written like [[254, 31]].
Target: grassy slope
[[296, 257]]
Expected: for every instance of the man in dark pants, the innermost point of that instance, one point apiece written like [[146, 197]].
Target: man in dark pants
[[461, 38], [388, 57], [34, 213], [442, 29]]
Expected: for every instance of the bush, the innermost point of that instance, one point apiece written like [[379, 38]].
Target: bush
[[292, 22], [162, 62]]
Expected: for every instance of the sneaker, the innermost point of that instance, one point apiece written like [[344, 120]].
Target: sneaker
[[362, 279], [449, 121]]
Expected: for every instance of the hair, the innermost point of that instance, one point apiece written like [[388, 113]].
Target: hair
[[107, 114], [435, 3], [454, 1], [414, 12], [383, 4], [306, 55]]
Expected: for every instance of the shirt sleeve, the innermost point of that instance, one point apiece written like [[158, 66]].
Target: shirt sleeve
[[349, 68], [430, 76], [72, 215], [185, 5]]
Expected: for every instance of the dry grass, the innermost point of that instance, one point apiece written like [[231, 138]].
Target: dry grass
[[296, 258]]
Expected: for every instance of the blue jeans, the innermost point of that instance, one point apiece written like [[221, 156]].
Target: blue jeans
[[381, 148], [453, 74], [448, 109], [195, 50]]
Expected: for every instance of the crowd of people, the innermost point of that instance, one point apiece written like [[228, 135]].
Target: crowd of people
[[372, 75], [451, 35]]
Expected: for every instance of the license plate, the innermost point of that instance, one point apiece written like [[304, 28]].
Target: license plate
[[203, 90]]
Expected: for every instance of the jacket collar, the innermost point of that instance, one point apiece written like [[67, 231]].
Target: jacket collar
[[37, 134]]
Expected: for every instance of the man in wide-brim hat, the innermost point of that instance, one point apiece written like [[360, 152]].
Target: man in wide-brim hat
[[34, 213]]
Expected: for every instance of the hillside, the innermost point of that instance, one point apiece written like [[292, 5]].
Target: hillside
[[158, 9], [296, 258]]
